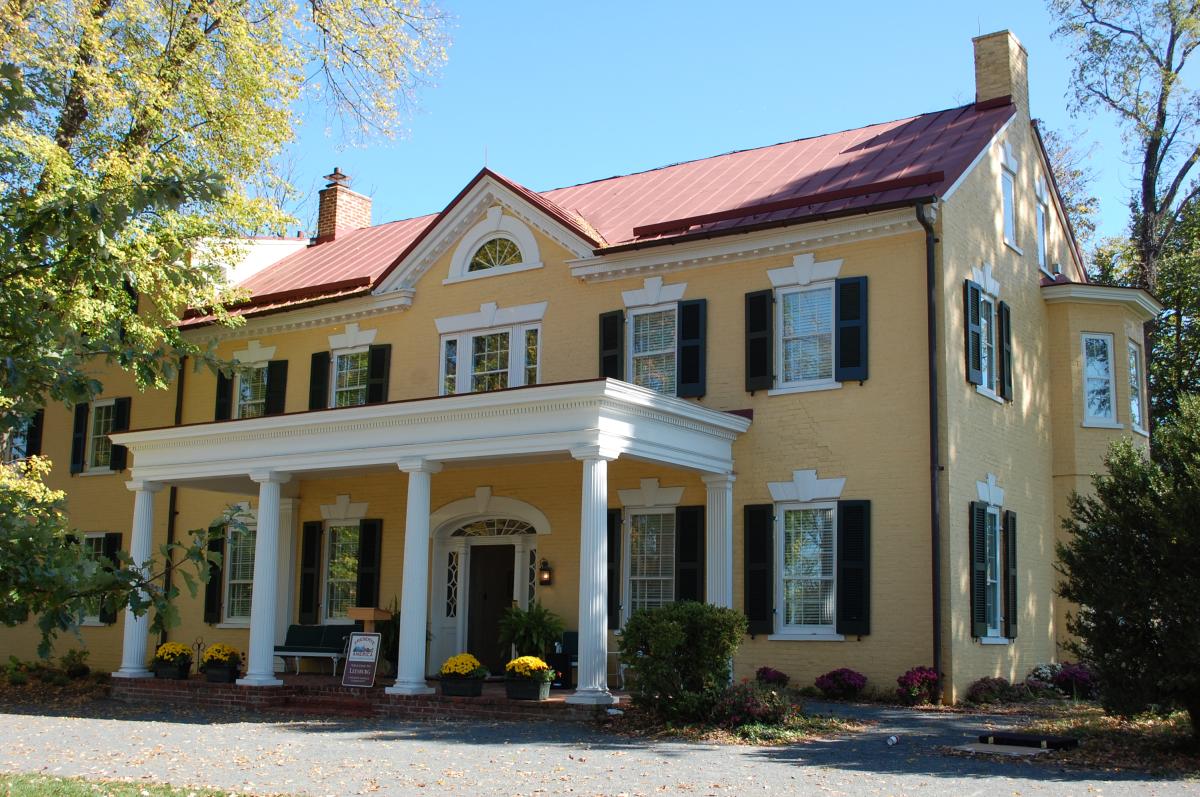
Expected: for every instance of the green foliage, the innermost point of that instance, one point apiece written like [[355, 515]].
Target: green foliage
[[678, 657], [532, 632], [752, 703], [1130, 565], [17, 678], [74, 663]]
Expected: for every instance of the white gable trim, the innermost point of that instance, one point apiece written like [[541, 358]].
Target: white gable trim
[[490, 315], [467, 213], [343, 509], [805, 487], [978, 158], [804, 270], [651, 496], [254, 353], [654, 292], [352, 338], [989, 491], [496, 224]]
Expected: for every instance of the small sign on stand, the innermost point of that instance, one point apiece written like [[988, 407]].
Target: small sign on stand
[[362, 659]]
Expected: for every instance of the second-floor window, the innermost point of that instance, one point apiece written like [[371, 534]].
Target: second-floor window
[[350, 378], [491, 359], [252, 392], [1136, 409], [1042, 216], [652, 348], [805, 335], [1099, 386], [99, 447]]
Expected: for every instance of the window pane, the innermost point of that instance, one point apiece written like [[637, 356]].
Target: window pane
[[496, 252], [807, 335], [651, 560], [1041, 233], [1010, 222], [102, 422], [1135, 385], [239, 573], [992, 593], [18, 443], [489, 362], [531, 356], [808, 567], [450, 367], [252, 393], [341, 576], [653, 351], [93, 546], [1098, 388], [350, 379], [987, 329]]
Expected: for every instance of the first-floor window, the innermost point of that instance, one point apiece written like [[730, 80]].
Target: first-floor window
[[652, 348], [350, 377], [806, 541], [1098, 387], [991, 539], [806, 335], [252, 392], [1136, 412], [651, 563], [16, 446], [494, 359], [93, 547], [341, 570], [239, 573], [99, 447]]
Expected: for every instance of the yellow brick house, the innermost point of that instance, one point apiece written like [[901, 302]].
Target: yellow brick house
[[843, 384]]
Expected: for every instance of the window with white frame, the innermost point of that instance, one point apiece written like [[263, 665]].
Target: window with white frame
[[1099, 386], [652, 347], [496, 253], [805, 345], [341, 569], [1042, 216], [239, 572], [650, 562], [251, 392], [16, 444], [99, 447], [492, 359], [1136, 410], [1008, 194], [351, 371], [987, 342], [93, 547], [991, 537], [806, 540]]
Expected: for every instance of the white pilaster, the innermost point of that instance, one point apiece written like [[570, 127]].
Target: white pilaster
[[592, 688], [260, 669], [718, 538], [286, 567], [414, 593], [133, 648]]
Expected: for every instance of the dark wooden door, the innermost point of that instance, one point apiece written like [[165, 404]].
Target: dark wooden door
[[491, 592]]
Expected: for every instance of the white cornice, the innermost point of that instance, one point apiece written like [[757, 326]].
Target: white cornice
[[734, 248], [339, 311], [1137, 300]]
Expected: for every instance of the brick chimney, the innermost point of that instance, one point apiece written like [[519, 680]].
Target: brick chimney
[[1001, 69], [339, 209]]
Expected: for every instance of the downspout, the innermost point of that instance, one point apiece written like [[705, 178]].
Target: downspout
[[173, 493], [935, 467]]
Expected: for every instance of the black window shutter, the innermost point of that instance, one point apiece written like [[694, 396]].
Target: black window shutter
[[760, 340], [111, 546], [33, 434], [689, 553], [971, 294], [79, 438], [223, 407], [310, 572], [612, 344], [850, 342], [318, 381], [1011, 607], [758, 565], [978, 569], [379, 364], [370, 536], [1006, 353], [614, 568], [276, 387], [120, 455], [854, 568], [213, 590], [691, 349]]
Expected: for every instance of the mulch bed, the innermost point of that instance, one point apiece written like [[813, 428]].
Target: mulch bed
[[642, 724]]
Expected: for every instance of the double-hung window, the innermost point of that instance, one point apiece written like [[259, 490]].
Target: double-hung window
[[653, 348], [987, 343], [341, 569], [1042, 216], [351, 375], [1137, 411], [650, 562], [1008, 195], [99, 447], [992, 601], [491, 359], [1099, 384], [805, 324], [93, 548], [17, 444], [806, 539], [252, 392], [239, 573]]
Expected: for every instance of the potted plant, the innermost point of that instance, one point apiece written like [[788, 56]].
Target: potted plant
[[528, 678], [462, 676], [220, 664], [172, 660], [531, 631]]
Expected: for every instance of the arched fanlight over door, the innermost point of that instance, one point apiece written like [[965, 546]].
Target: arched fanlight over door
[[494, 527]]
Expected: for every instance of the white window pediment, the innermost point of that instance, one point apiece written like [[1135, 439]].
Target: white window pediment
[[343, 509], [805, 488], [352, 338], [651, 496], [254, 353], [983, 276], [804, 270], [652, 292], [989, 491], [491, 315], [495, 224]]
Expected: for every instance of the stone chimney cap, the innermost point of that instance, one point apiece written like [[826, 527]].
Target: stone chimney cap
[[337, 178]]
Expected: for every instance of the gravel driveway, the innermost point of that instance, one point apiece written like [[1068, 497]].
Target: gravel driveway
[[104, 739]]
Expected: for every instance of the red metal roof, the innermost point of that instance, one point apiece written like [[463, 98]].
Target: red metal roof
[[873, 167]]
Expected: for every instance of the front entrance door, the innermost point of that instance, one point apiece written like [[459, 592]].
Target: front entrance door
[[491, 593]]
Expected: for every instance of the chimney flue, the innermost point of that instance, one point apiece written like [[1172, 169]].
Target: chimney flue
[[340, 210]]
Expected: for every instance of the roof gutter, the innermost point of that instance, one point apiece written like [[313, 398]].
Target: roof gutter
[[935, 467]]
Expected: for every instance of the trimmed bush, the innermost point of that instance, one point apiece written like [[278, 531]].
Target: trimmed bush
[[17, 678], [771, 677], [74, 663], [1076, 680], [918, 685], [842, 684], [678, 657], [751, 703], [990, 690], [1046, 673]]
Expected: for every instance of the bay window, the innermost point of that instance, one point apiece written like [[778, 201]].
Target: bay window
[[1099, 387], [1136, 409]]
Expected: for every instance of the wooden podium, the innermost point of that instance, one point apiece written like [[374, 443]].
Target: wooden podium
[[369, 615]]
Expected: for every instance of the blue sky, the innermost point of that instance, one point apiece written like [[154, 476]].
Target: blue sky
[[559, 93]]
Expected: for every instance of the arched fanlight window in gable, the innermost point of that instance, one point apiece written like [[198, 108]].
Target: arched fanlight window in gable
[[494, 527], [497, 252]]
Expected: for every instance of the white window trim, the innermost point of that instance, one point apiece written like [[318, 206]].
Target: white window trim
[[88, 467], [496, 224], [627, 554], [237, 389], [325, 547], [1041, 224], [250, 521], [997, 632], [647, 310], [804, 385], [812, 633], [1135, 348], [93, 620], [516, 356], [334, 354], [1009, 167], [989, 388], [1099, 421]]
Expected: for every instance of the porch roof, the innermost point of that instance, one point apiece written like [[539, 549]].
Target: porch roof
[[550, 420]]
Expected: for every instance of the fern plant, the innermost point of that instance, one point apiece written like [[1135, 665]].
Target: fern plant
[[531, 631]]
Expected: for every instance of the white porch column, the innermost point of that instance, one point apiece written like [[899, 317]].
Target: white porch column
[[414, 593], [718, 519], [592, 688], [260, 669], [133, 649]]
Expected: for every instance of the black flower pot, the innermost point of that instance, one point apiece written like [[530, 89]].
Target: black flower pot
[[174, 671], [527, 689], [462, 687], [221, 673]]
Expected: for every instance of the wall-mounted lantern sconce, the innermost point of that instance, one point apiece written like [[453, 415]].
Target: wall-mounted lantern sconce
[[545, 574]]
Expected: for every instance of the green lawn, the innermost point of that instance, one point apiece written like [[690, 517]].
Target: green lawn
[[49, 786]]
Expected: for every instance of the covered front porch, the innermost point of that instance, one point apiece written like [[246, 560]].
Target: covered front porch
[[451, 440]]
